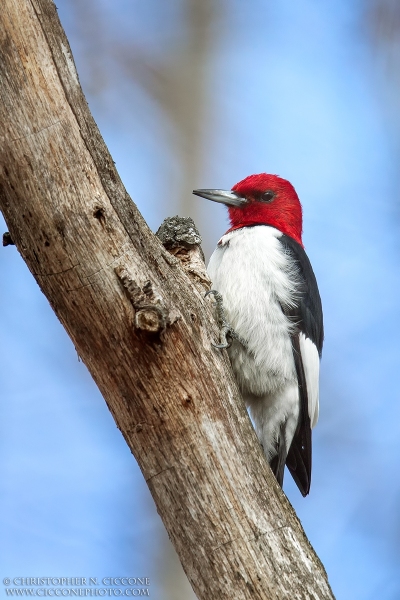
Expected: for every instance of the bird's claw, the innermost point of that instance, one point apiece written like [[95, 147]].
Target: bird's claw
[[227, 333]]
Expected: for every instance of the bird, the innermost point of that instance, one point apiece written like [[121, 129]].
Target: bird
[[271, 301]]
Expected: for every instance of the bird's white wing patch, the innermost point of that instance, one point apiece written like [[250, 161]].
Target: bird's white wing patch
[[310, 358]]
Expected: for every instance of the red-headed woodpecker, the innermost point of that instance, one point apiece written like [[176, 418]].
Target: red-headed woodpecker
[[272, 303]]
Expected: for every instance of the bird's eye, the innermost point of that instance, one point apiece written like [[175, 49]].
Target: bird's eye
[[267, 196]]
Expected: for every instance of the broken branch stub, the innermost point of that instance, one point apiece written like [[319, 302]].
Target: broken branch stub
[[180, 236]]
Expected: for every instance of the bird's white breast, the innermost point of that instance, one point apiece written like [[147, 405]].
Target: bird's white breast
[[256, 278]]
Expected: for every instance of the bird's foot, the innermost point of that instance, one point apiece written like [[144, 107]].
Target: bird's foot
[[227, 334]]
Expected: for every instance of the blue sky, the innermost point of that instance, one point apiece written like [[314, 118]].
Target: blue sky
[[293, 92]]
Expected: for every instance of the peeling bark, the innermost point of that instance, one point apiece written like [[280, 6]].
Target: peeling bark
[[142, 327]]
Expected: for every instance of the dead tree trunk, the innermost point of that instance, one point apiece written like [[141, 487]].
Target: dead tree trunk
[[141, 326]]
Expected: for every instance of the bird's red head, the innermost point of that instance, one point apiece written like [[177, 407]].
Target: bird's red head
[[270, 200], [261, 200]]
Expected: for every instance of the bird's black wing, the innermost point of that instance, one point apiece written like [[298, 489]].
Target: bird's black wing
[[307, 315]]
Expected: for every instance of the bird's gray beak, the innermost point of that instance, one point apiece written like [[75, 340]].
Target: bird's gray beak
[[223, 196]]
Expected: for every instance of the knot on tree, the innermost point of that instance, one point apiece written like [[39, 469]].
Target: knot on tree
[[151, 318], [180, 236], [150, 315]]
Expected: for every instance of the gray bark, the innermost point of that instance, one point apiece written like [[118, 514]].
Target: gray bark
[[141, 326]]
